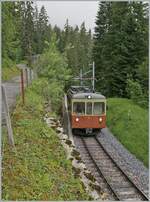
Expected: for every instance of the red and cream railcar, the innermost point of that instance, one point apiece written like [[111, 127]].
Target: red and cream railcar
[[87, 109]]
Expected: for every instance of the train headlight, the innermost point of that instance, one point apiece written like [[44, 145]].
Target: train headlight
[[77, 119], [100, 119], [89, 97]]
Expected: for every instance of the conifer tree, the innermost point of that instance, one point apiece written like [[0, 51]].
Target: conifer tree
[[117, 53], [43, 29], [27, 29], [77, 45], [36, 30]]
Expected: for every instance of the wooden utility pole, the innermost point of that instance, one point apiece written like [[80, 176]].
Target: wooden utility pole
[[27, 80]]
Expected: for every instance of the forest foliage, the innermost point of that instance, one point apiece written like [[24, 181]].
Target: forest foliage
[[30, 31], [119, 45], [121, 49], [52, 67]]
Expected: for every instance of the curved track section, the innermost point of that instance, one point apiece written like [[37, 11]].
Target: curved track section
[[116, 181]]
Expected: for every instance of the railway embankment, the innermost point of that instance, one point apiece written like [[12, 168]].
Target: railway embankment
[[37, 169], [129, 124], [133, 168], [113, 167]]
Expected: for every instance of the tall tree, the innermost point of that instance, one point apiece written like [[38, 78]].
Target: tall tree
[[36, 37], [119, 26], [85, 47], [43, 29], [27, 28], [9, 30], [77, 45], [102, 24], [58, 33]]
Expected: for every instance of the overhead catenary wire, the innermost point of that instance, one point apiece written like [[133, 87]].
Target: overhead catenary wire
[[82, 78]]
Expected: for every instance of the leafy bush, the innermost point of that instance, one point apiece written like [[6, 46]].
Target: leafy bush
[[52, 92], [8, 73], [53, 68], [40, 86], [143, 75], [7, 62], [134, 91], [53, 64]]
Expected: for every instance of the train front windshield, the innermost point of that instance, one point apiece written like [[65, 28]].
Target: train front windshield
[[89, 108], [79, 108], [99, 108]]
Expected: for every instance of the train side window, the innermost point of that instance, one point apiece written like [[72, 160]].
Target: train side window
[[99, 108], [79, 108], [89, 108]]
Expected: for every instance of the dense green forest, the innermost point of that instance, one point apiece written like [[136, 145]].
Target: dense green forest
[[121, 50], [26, 31], [119, 45]]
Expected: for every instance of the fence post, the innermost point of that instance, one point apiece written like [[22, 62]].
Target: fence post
[[30, 76], [69, 131], [22, 87], [7, 117], [27, 82]]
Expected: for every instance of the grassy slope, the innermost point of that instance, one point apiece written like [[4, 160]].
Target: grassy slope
[[39, 169], [129, 123], [8, 73]]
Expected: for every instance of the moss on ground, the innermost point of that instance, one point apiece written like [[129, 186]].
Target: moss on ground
[[129, 123], [38, 169]]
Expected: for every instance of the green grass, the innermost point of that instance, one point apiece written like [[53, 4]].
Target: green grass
[[38, 169], [129, 123], [9, 73]]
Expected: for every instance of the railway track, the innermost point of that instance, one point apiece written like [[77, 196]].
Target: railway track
[[111, 177]]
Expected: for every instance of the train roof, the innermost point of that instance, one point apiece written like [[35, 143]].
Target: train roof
[[88, 95], [82, 92], [77, 89]]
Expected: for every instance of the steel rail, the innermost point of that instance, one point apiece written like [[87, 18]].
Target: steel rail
[[125, 174], [117, 196], [98, 169]]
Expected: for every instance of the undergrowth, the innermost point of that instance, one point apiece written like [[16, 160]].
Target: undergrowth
[[37, 169], [9, 73]]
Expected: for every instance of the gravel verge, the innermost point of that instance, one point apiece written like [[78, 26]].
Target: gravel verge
[[127, 161]]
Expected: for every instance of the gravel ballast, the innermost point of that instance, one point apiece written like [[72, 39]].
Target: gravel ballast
[[134, 168]]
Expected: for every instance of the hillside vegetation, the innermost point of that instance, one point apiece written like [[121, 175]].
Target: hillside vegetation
[[8, 73], [129, 123], [38, 168]]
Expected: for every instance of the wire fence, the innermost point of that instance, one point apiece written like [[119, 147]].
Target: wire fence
[[9, 91]]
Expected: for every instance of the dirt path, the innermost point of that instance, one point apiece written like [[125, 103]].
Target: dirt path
[[12, 88]]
